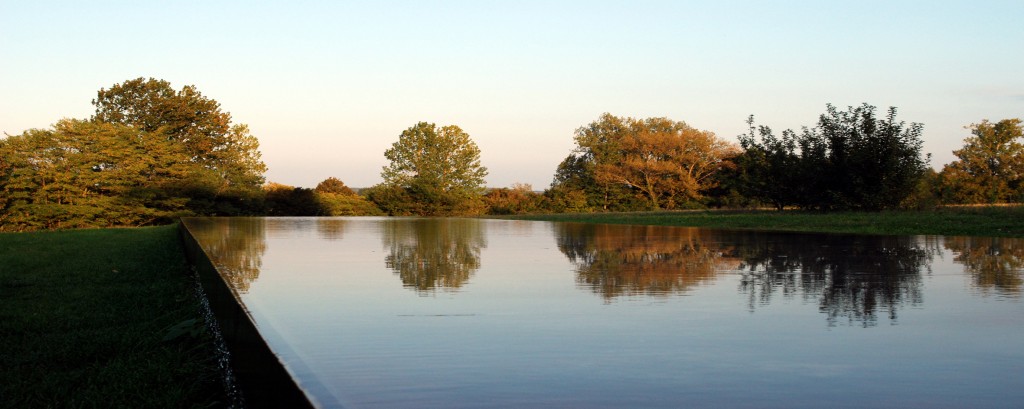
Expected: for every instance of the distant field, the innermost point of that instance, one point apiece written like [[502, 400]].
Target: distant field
[[1001, 221], [87, 319]]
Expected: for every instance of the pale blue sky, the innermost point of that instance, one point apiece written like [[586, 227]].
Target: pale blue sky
[[328, 86]]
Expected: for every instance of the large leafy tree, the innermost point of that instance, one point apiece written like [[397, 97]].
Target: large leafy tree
[[851, 160], [433, 170], [192, 120], [663, 162], [990, 167], [149, 154], [766, 169], [576, 175], [873, 163], [91, 174], [668, 162]]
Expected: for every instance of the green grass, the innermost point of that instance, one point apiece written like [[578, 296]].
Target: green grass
[[83, 320], [1007, 221]]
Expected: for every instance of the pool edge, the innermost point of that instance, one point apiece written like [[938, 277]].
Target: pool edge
[[260, 375]]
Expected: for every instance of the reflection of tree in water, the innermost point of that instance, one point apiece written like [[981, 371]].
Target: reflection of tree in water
[[234, 245], [853, 277], [330, 228], [428, 254], [616, 260], [995, 264]]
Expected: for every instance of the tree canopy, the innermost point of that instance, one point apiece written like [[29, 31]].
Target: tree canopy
[[333, 185], [519, 199], [850, 160], [190, 119], [660, 162], [433, 171], [148, 155], [336, 199], [89, 174], [151, 153], [990, 167]]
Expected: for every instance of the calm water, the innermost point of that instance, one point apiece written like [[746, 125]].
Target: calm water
[[449, 313]]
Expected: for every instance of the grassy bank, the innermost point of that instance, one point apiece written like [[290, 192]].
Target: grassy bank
[[954, 221], [85, 316]]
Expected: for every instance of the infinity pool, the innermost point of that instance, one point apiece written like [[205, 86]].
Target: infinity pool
[[462, 313]]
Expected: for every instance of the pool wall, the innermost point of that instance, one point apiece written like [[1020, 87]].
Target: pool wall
[[260, 376]]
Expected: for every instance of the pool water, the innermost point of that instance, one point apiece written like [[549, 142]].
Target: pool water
[[463, 313]]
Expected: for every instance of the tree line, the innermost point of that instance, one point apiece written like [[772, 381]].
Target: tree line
[[151, 153], [148, 155]]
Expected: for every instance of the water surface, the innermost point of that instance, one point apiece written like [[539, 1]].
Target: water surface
[[449, 313]]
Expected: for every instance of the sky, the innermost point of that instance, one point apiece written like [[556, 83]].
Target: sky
[[328, 86]]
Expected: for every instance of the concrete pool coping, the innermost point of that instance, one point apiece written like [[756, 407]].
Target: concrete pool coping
[[260, 376]]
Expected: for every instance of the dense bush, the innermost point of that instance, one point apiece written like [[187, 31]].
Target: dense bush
[[850, 160]]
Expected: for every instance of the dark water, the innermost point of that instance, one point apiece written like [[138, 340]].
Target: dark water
[[449, 313]]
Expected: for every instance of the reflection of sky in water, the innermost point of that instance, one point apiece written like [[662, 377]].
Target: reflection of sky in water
[[583, 316]]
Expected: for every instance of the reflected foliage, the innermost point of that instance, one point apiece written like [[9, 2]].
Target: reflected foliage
[[432, 254], [331, 228], [996, 264], [616, 261], [853, 278], [236, 248]]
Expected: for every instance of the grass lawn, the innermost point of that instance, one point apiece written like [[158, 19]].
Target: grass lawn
[[1004, 221], [84, 319]]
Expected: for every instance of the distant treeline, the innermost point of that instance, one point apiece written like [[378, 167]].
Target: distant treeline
[[151, 154]]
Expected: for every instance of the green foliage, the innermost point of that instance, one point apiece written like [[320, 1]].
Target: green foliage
[[926, 195], [574, 177], [393, 200], [432, 171], [334, 204], [727, 188], [88, 174], [192, 120], [336, 199], [768, 169], [990, 168], [850, 160], [562, 199], [148, 156], [431, 254], [284, 200]]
